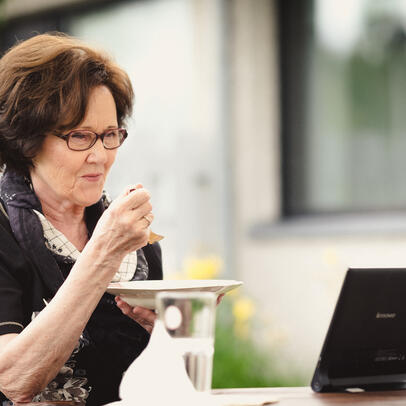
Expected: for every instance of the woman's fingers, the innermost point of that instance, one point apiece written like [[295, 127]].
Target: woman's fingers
[[132, 199], [123, 306], [138, 202], [144, 317], [130, 188], [135, 198], [149, 218], [142, 210]]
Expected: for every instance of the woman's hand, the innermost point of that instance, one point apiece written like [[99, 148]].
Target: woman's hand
[[144, 317], [124, 226]]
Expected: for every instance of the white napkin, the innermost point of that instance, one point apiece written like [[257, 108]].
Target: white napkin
[[158, 376]]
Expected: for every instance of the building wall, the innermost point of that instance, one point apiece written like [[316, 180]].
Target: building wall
[[292, 268], [172, 50]]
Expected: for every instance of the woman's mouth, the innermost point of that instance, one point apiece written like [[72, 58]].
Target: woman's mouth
[[93, 177]]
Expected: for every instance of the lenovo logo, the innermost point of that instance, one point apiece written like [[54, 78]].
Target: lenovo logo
[[385, 315]]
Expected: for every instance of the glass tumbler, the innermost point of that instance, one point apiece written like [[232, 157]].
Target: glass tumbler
[[189, 318]]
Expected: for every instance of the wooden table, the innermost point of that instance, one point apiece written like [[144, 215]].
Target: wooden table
[[298, 397], [306, 397]]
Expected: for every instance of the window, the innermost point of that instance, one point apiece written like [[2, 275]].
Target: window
[[343, 69]]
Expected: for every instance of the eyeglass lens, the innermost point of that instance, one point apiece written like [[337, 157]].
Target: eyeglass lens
[[82, 140]]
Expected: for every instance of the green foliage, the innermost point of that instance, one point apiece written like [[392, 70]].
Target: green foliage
[[239, 363]]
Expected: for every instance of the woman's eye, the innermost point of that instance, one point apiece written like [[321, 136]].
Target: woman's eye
[[79, 136], [111, 134]]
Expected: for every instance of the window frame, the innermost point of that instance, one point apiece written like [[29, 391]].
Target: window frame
[[295, 20]]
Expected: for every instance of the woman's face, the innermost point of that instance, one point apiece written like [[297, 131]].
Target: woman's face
[[77, 177]]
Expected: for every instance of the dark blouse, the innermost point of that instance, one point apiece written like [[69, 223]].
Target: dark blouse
[[112, 340]]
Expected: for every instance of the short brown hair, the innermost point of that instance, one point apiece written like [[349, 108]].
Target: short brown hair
[[45, 83]]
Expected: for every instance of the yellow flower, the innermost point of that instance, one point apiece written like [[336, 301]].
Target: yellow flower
[[207, 268], [242, 330], [235, 293], [243, 310]]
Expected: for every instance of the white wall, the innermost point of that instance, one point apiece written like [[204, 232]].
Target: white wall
[[172, 52], [296, 281]]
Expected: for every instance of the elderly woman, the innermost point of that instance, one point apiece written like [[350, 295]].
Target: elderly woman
[[62, 107]]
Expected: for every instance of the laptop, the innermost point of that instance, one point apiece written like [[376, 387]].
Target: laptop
[[365, 346]]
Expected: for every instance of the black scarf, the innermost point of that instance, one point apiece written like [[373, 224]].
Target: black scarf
[[19, 199]]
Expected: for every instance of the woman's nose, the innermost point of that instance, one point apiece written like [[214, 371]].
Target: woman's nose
[[97, 153]]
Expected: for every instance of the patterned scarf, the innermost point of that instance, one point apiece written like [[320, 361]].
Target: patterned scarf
[[57, 243], [34, 233]]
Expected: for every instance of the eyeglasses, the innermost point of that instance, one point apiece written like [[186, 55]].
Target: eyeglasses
[[81, 140]]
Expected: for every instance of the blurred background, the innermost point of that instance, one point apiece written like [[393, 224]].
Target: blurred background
[[271, 135]]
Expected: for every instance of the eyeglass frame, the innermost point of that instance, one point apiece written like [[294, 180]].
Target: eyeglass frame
[[98, 136]]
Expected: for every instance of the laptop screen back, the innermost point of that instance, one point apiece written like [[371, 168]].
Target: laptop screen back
[[366, 342]]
